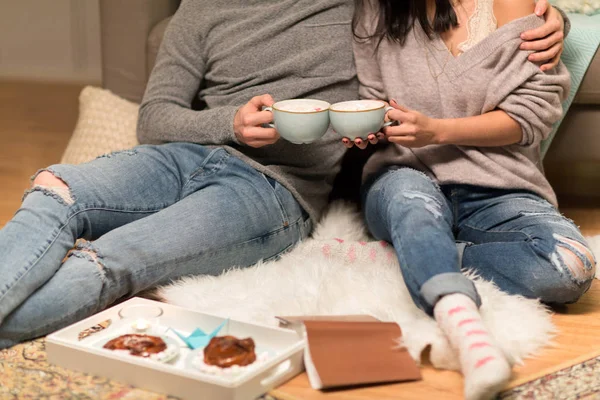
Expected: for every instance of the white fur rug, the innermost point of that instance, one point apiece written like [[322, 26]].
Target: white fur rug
[[338, 272]]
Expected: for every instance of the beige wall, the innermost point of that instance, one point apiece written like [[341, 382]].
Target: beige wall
[[50, 40]]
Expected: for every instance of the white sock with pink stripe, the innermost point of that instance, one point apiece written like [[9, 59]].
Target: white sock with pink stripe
[[483, 364]]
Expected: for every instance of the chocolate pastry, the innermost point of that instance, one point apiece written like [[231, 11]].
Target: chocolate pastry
[[138, 345], [225, 351]]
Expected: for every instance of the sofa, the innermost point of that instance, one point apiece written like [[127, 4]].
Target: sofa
[[131, 32]]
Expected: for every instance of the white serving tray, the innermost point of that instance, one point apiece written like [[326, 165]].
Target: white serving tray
[[175, 379]]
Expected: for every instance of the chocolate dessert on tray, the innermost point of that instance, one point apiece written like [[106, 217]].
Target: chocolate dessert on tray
[[179, 352]]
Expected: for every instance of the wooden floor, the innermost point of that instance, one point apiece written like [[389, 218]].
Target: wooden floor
[[36, 121], [578, 340]]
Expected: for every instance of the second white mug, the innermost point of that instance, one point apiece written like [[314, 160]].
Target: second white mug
[[358, 118]]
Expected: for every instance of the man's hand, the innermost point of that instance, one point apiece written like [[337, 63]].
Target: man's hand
[[247, 123], [548, 40], [415, 129]]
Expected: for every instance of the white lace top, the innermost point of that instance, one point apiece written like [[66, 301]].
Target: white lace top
[[481, 23]]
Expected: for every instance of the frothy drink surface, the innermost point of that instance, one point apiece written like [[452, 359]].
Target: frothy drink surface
[[357, 106], [300, 108]]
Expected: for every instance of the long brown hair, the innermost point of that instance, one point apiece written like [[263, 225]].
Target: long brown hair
[[396, 18]]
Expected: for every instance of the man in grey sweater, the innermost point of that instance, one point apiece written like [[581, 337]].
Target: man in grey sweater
[[218, 190], [212, 189], [286, 49]]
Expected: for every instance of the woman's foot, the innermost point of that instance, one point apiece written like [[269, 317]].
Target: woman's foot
[[483, 364]]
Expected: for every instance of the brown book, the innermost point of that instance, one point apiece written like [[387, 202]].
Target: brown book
[[347, 353]]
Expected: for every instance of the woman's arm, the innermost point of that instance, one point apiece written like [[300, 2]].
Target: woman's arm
[[495, 128], [522, 114]]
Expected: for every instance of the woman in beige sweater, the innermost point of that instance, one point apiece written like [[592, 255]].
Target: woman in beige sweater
[[462, 168]]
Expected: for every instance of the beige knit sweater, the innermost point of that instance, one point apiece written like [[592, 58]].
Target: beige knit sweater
[[494, 74]]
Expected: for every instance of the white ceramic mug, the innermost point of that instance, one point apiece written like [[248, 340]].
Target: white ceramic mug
[[300, 120], [358, 118]]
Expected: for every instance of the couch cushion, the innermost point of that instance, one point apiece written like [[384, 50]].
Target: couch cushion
[[154, 41], [124, 29], [589, 92], [577, 137], [106, 123]]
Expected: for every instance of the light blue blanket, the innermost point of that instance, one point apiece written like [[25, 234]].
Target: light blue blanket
[[580, 47]]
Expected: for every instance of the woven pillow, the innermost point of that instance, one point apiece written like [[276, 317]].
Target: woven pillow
[[106, 123], [589, 7]]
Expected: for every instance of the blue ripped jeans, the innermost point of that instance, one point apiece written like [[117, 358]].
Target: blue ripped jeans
[[514, 238], [148, 216]]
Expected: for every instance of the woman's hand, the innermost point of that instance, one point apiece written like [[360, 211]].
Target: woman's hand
[[548, 40], [414, 129], [373, 138], [362, 144]]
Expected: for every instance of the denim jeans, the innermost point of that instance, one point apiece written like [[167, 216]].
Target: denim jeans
[[148, 216], [514, 238]]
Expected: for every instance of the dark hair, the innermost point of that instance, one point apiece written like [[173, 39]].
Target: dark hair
[[396, 18]]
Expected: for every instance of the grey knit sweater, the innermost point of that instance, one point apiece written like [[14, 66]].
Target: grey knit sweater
[[494, 74], [225, 52]]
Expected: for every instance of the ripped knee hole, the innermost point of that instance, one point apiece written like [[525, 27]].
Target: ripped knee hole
[[576, 257], [49, 184], [47, 179], [85, 250]]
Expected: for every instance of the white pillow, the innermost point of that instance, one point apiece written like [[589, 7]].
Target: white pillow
[[106, 123], [578, 6]]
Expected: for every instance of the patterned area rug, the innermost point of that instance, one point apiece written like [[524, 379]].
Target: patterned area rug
[[581, 381], [26, 374]]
